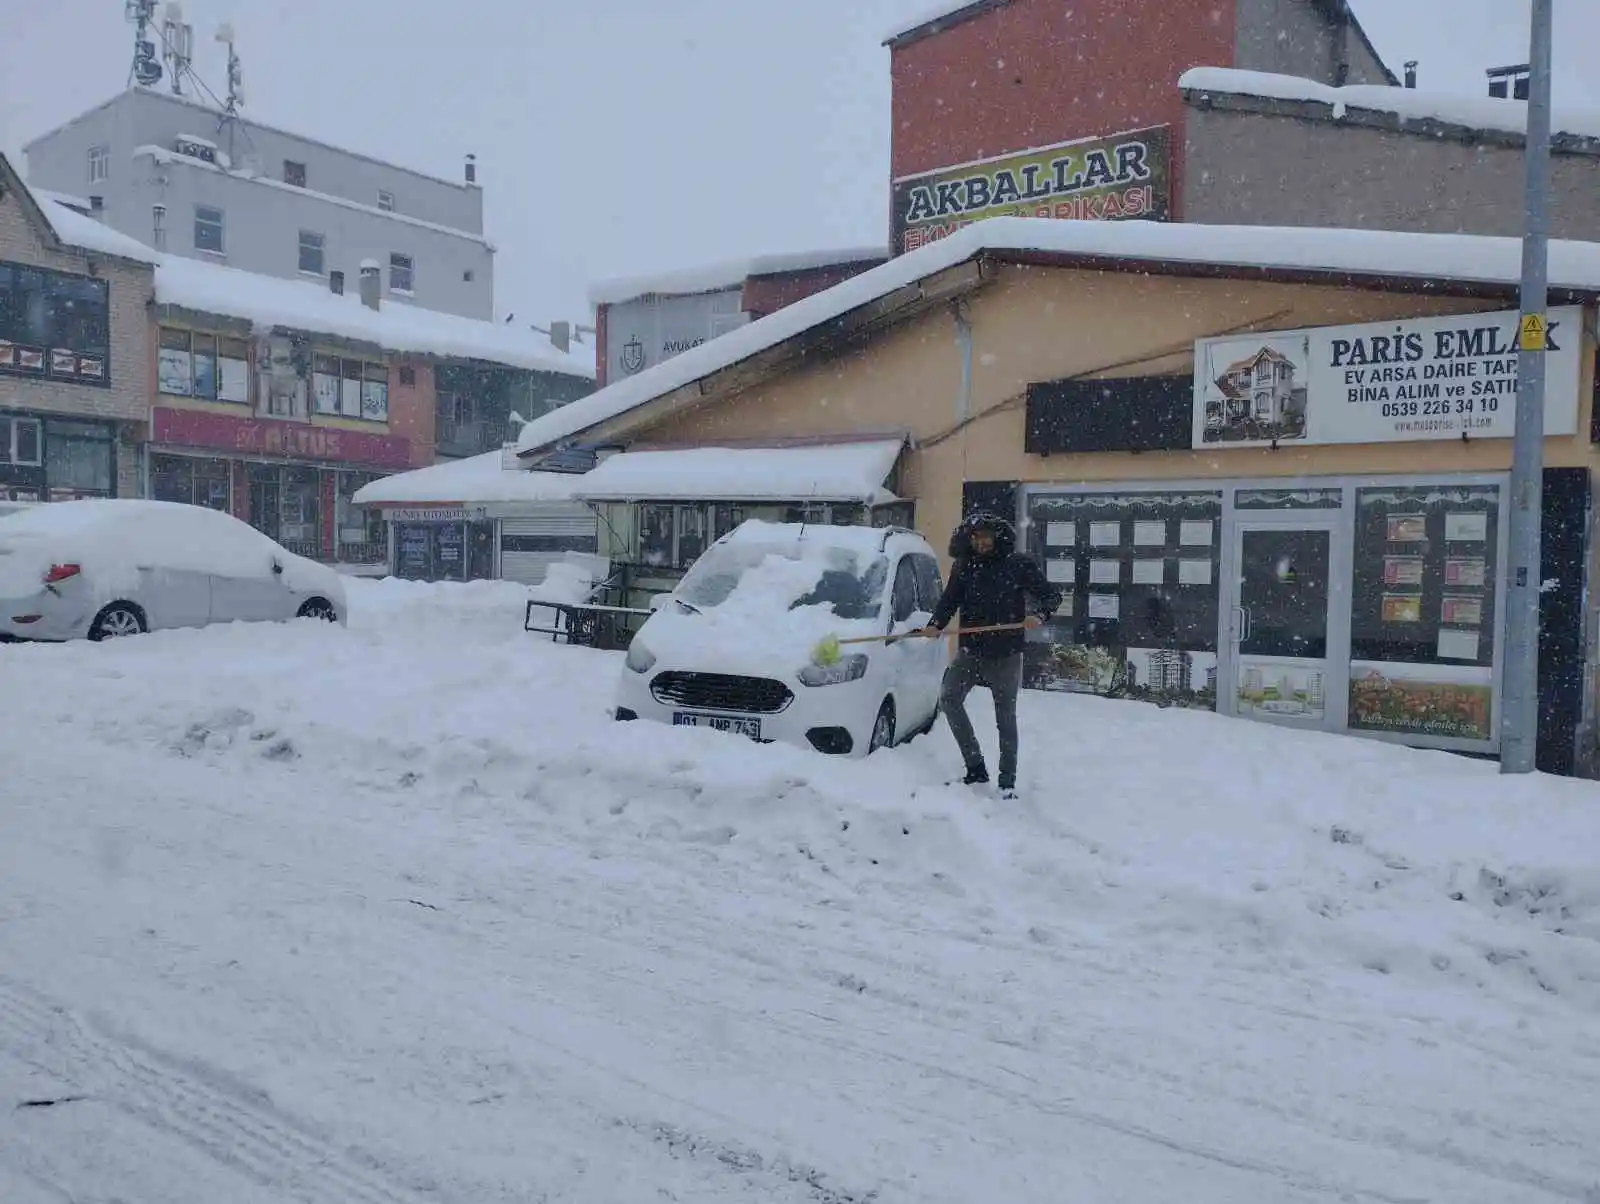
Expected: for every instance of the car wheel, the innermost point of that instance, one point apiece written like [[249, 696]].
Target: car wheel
[[117, 620], [927, 727], [318, 608], [882, 728]]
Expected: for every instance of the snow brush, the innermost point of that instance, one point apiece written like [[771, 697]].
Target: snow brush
[[830, 648]]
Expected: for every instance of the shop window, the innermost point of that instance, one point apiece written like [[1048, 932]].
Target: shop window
[[1139, 574], [266, 494], [300, 529], [359, 528], [725, 518], [233, 370], [21, 442], [413, 551], [408, 376], [208, 229], [79, 460], [657, 536], [194, 481], [693, 522], [311, 252], [449, 552], [195, 364], [53, 324], [1423, 621], [325, 384], [402, 277]]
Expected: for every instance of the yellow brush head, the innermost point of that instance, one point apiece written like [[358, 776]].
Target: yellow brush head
[[827, 652]]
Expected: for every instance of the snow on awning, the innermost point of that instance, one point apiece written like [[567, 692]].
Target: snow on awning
[[479, 480], [829, 472]]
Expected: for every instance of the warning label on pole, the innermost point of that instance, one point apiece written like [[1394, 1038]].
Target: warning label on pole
[[1532, 333]]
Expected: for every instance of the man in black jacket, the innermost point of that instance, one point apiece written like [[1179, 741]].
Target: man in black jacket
[[990, 585]]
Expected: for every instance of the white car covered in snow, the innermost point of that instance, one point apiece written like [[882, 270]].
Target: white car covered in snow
[[105, 568], [735, 645]]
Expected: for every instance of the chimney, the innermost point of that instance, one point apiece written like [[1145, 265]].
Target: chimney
[[336, 283], [97, 205], [561, 335], [371, 283], [1411, 74], [472, 169]]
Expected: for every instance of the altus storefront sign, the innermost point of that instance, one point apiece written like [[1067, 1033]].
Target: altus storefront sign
[[1092, 179]]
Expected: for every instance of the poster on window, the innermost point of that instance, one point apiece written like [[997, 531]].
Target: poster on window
[[205, 376], [375, 400], [1272, 687], [325, 393], [1380, 382], [174, 374], [1442, 701]]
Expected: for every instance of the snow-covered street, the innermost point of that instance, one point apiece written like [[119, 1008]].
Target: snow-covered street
[[398, 914]]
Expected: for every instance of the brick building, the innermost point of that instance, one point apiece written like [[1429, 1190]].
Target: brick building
[[74, 359]]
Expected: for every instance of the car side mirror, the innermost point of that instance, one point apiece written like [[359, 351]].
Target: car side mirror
[[277, 567], [658, 601]]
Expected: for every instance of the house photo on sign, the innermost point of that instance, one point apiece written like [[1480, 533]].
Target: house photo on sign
[[1092, 179], [1382, 382]]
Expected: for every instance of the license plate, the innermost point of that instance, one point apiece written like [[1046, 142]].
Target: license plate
[[721, 723]]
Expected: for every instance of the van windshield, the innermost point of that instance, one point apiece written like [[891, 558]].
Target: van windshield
[[786, 577]]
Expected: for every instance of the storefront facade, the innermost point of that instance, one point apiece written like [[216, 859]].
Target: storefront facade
[[1282, 495]]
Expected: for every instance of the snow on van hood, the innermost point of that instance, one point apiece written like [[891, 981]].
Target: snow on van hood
[[753, 630]]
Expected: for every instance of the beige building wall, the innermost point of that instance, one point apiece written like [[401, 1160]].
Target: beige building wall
[[1037, 324]]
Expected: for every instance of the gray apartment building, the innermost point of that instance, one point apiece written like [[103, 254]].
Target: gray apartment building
[[192, 181]]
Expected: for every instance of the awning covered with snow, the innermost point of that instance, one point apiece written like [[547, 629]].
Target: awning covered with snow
[[477, 481], [822, 472]]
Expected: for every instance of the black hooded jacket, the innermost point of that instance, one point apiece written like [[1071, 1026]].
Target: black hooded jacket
[[994, 589]]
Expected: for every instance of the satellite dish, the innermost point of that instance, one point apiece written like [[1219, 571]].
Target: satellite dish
[[146, 70], [225, 32]]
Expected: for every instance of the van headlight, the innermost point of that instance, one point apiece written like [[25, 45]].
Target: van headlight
[[850, 668], [640, 659]]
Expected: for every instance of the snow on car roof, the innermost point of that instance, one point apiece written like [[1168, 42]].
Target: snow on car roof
[[862, 540]]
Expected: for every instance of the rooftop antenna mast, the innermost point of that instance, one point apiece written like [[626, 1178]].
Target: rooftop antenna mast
[[177, 38], [235, 101], [145, 71]]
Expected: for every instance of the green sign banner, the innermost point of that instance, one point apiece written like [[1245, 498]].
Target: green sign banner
[[1094, 179]]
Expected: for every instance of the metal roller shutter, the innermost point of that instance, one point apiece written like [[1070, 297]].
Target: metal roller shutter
[[528, 546]]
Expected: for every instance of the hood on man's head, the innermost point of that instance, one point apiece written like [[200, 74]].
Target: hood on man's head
[[1005, 535]]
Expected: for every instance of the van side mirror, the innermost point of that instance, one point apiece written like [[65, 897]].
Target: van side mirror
[[657, 601]]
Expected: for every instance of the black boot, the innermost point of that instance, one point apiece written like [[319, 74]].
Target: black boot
[[977, 775], [1008, 786]]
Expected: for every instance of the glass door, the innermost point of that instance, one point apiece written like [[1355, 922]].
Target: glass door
[[1287, 624]]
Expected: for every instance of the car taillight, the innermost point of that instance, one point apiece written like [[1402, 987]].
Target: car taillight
[[60, 572]]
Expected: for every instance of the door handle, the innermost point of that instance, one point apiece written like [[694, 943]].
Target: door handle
[[1249, 623], [1238, 624]]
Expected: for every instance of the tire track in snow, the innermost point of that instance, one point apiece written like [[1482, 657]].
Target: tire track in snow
[[248, 1136]]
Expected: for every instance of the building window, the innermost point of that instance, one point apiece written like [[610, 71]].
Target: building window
[[208, 229], [20, 442], [191, 480], [658, 536], [311, 252], [408, 376], [359, 528], [385, 200], [350, 388], [675, 536], [467, 276], [99, 164], [294, 173], [79, 460], [52, 324], [195, 364], [401, 276]]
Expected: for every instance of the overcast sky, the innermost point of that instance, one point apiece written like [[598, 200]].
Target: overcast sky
[[616, 137]]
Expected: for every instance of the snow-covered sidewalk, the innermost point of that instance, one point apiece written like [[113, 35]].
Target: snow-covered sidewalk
[[396, 913]]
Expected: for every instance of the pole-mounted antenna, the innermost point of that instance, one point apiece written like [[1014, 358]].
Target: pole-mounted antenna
[[177, 37], [145, 70], [235, 101]]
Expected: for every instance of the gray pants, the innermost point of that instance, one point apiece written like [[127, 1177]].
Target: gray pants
[[1003, 676]]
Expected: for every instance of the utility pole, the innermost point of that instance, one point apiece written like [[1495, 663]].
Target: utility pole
[[1519, 724]]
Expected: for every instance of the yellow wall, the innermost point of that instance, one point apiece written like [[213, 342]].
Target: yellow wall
[[1038, 324]]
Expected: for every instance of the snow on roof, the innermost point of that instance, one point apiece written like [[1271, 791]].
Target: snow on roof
[[89, 234], [475, 480], [70, 200], [1474, 112], [936, 12], [1466, 258], [837, 472], [270, 301], [726, 274]]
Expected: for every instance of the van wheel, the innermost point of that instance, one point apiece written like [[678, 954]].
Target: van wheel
[[318, 608], [117, 620], [882, 728]]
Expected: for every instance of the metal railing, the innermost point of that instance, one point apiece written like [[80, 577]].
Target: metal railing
[[472, 435]]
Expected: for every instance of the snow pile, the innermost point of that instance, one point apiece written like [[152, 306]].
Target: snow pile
[[1466, 258], [1475, 112], [565, 581], [89, 234], [852, 472], [477, 479], [399, 913], [267, 301], [727, 274]]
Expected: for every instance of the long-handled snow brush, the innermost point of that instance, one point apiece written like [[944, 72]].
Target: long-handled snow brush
[[830, 648]]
